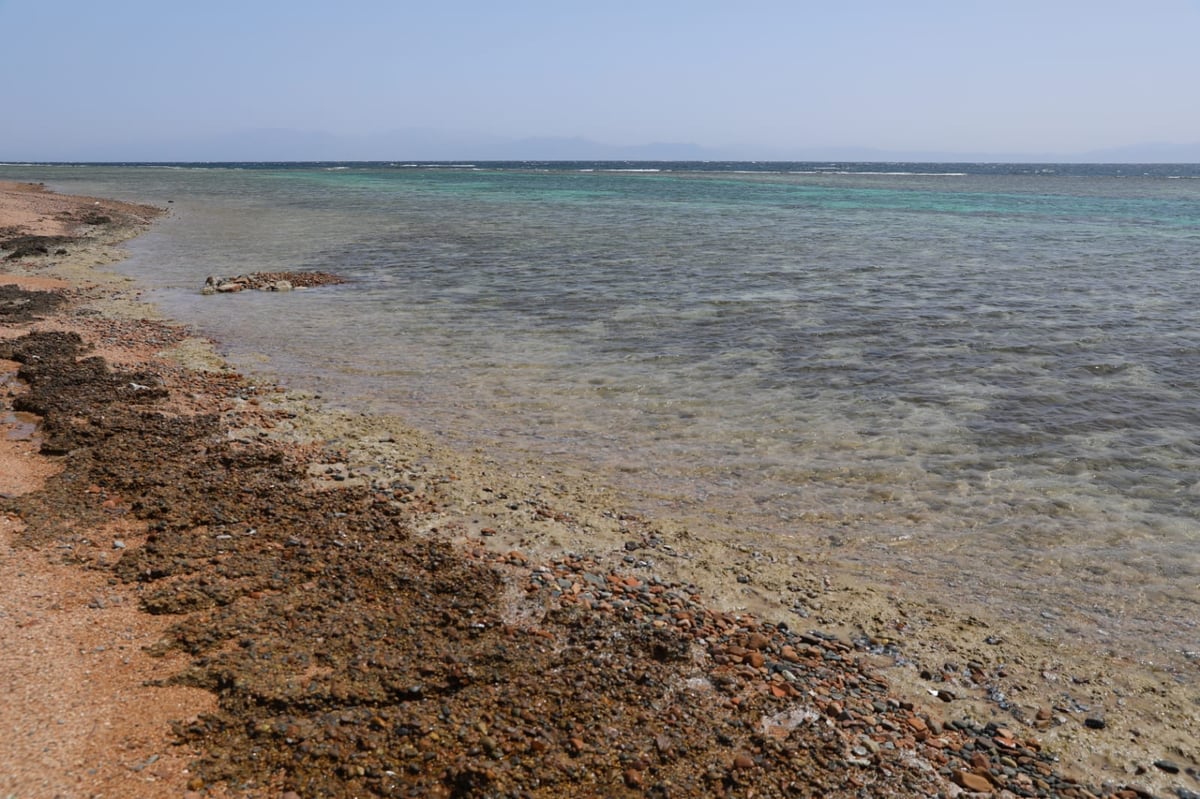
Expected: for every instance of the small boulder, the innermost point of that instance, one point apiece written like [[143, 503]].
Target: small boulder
[[972, 782]]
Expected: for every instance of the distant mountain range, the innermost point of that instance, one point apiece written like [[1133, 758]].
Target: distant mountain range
[[425, 144], [412, 144]]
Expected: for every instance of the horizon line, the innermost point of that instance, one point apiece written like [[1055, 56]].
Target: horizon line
[[467, 161]]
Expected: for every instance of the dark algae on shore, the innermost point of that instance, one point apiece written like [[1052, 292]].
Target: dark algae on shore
[[352, 656], [21, 305]]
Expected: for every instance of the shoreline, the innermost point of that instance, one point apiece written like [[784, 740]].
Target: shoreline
[[520, 526], [79, 717]]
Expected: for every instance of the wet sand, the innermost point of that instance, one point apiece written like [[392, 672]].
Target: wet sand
[[333, 604]]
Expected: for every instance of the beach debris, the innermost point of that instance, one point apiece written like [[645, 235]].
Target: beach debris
[[268, 281]]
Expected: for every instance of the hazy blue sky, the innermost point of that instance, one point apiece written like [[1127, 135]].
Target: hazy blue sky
[[752, 78]]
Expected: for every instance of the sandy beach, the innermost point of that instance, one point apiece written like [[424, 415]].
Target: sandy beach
[[212, 586]]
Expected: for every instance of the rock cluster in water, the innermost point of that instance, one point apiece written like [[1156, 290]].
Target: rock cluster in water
[[269, 281]]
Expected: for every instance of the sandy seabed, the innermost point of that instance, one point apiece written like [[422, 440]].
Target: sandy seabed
[[213, 586]]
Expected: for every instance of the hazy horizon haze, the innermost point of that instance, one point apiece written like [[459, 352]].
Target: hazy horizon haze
[[767, 80]]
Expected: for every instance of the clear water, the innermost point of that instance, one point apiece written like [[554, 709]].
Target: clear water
[[972, 377]]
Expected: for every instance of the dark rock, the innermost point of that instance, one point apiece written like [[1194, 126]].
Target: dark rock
[[667, 646]]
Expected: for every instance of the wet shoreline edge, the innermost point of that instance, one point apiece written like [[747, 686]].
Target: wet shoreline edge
[[261, 438]]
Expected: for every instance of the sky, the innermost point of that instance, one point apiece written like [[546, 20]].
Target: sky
[[389, 79]]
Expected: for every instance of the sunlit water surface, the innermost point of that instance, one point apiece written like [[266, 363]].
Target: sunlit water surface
[[976, 380]]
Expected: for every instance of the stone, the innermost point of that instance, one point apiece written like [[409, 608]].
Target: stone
[[1004, 743], [743, 762], [972, 782]]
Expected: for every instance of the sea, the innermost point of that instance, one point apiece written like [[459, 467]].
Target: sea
[[981, 380]]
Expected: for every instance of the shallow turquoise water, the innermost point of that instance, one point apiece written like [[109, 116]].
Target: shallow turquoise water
[[986, 379]]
